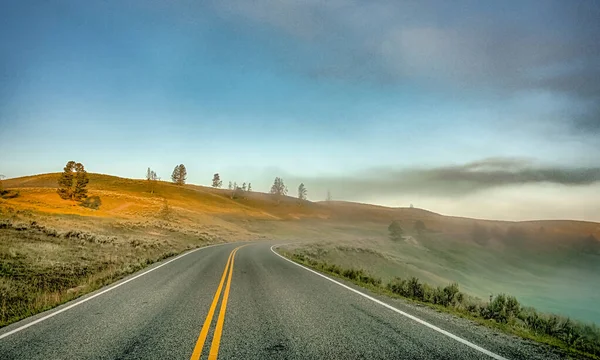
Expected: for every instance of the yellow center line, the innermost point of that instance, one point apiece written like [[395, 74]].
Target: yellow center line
[[211, 312], [206, 326], [214, 348]]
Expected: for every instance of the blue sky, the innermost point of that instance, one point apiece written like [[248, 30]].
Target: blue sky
[[368, 99]]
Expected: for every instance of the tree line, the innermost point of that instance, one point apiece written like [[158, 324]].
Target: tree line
[[73, 181]]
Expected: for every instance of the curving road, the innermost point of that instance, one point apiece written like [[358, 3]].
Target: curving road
[[266, 307]]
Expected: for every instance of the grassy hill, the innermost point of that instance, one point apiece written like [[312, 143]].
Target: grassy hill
[[549, 264]]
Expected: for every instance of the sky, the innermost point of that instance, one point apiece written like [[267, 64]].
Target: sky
[[467, 108]]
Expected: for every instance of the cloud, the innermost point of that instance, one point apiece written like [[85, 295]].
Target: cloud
[[502, 48], [452, 181]]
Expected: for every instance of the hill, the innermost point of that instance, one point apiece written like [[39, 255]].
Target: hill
[[542, 262], [130, 198]]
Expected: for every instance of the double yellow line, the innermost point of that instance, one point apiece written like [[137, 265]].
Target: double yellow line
[[214, 347]]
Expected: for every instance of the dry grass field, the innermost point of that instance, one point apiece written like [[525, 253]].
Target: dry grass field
[[52, 250]]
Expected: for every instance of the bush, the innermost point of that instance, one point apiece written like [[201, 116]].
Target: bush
[[9, 194], [451, 294], [501, 308], [415, 288], [395, 231], [92, 202]]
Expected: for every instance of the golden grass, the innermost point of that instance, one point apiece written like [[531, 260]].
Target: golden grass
[[144, 221]]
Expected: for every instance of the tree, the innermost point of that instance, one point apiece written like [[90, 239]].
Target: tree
[[151, 177], [216, 181], [302, 192], [244, 187], [69, 190], [420, 226], [328, 198], [179, 175], [81, 181], [175, 174], [249, 187], [395, 230], [230, 186], [279, 187], [235, 185]]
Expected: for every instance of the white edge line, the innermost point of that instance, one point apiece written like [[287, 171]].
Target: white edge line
[[423, 322], [2, 336]]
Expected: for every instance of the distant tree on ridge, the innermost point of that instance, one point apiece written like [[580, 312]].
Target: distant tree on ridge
[[216, 181], [302, 192], [179, 175], [278, 187]]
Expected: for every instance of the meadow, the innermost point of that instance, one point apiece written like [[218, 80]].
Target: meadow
[[52, 250]]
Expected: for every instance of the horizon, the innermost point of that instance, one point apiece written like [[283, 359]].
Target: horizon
[[291, 195], [469, 109]]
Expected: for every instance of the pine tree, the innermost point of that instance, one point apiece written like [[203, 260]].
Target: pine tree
[[216, 181], [302, 192], [182, 174], [244, 187], [175, 175], [179, 174], [249, 187], [279, 187], [151, 177], [81, 179], [66, 189], [65, 182]]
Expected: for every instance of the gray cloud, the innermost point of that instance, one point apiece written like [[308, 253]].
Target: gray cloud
[[452, 180], [502, 48]]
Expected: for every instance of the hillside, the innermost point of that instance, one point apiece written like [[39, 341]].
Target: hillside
[[129, 198], [542, 262]]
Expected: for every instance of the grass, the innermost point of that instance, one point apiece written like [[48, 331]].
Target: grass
[[540, 262], [42, 267], [501, 312], [557, 277]]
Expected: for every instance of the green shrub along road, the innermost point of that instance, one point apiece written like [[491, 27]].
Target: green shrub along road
[[501, 311]]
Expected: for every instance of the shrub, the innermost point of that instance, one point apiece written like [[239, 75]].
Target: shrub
[[395, 231], [500, 308], [398, 286], [450, 294], [92, 202], [10, 194], [415, 288]]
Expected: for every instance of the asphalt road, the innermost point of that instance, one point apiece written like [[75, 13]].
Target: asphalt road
[[275, 309]]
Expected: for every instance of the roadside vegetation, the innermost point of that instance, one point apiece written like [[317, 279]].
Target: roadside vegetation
[[54, 249], [501, 311], [42, 267]]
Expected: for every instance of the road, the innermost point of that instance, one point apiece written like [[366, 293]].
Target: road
[[265, 308]]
